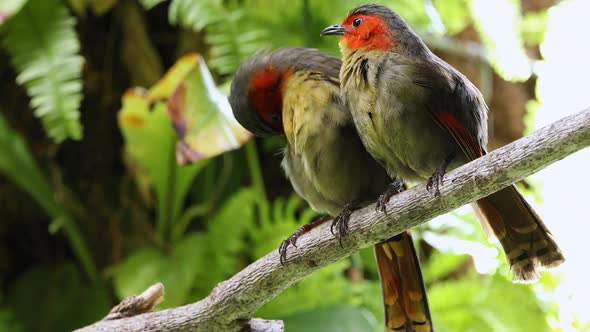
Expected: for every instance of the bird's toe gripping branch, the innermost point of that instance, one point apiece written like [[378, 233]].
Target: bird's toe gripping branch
[[292, 240], [393, 188], [436, 180]]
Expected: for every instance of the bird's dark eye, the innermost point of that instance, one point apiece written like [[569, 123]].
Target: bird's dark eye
[[356, 22]]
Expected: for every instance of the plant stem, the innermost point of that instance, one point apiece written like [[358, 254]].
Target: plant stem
[[165, 215], [257, 179]]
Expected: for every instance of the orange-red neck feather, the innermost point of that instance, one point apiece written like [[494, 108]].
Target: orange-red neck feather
[[372, 34], [266, 94]]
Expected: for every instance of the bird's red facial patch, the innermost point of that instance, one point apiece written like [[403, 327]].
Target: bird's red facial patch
[[367, 32], [266, 94]]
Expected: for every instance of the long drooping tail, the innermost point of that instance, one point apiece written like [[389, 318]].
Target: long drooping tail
[[527, 243], [404, 295]]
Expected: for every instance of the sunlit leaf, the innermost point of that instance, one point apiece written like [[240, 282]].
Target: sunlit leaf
[[202, 117]]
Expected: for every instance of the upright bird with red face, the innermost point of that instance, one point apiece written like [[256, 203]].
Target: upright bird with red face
[[417, 115], [296, 92]]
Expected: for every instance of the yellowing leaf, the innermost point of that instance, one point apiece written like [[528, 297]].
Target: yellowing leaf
[[184, 101], [202, 117], [174, 76], [9, 8]]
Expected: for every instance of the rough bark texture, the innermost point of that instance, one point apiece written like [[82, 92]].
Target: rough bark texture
[[232, 303]]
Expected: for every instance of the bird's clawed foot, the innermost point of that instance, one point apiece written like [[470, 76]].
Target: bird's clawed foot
[[340, 223], [292, 240], [393, 188], [436, 180]]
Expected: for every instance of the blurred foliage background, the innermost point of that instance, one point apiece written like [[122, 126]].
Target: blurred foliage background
[[94, 208]]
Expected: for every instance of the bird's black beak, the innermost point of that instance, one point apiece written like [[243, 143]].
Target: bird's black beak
[[335, 29]]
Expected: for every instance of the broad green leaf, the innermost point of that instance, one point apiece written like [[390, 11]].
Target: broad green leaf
[[332, 319], [177, 271], [17, 163], [202, 116], [9, 8], [43, 47], [62, 300], [138, 271]]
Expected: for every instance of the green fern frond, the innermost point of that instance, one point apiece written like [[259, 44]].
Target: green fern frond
[[231, 36], [43, 47], [196, 15]]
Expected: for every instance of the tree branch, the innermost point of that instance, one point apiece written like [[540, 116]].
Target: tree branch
[[232, 303]]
